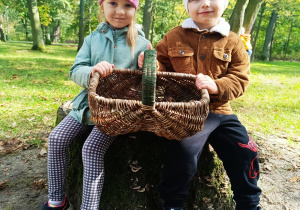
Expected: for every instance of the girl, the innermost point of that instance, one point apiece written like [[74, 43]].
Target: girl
[[203, 45], [115, 43]]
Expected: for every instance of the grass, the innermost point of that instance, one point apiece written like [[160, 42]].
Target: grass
[[32, 87], [34, 84], [271, 104]]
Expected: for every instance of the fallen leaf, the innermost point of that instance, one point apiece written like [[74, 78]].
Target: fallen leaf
[[136, 187], [44, 97], [141, 190], [43, 152], [30, 119], [38, 184], [267, 168], [2, 184], [68, 95], [14, 124], [46, 120], [135, 168], [29, 156], [295, 179]]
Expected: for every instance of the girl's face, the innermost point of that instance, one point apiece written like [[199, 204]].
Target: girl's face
[[206, 13], [118, 13]]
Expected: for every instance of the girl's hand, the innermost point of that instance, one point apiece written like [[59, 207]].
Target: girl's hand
[[141, 56], [104, 68], [205, 82]]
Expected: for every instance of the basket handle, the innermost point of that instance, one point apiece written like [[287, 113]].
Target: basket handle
[[149, 78]]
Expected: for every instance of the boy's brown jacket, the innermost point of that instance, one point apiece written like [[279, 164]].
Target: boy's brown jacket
[[222, 58]]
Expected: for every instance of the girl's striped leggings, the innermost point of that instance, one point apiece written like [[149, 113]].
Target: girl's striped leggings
[[93, 152]]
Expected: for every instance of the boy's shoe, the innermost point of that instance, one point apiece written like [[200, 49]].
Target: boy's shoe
[[64, 206]]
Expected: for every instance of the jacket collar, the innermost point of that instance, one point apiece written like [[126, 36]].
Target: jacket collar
[[222, 27], [104, 27]]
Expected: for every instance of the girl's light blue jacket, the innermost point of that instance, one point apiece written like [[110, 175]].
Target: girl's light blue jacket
[[104, 44]]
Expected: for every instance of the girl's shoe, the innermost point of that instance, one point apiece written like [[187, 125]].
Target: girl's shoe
[[64, 206]]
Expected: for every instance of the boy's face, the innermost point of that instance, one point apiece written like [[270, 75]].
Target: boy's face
[[206, 13], [118, 13]]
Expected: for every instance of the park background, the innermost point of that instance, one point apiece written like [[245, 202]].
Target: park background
[[34, 77]]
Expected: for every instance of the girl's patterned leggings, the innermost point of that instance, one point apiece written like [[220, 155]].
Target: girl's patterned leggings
[[93, 152]]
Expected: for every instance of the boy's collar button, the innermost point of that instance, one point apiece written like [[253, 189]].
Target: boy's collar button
[[103, 31], [202, 57], [225, 56], [204, 36], [181, 52]]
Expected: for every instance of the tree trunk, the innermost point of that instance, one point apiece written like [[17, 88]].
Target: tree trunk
[[147, 17], [209, 189], [271, 49], [81, 24], [250, 14], [56, 33], [257, 31], [237, 18], [25, 25], [269, 35], [2, 37], [288, 41], [37, 34], [152, 28], [90, 16]]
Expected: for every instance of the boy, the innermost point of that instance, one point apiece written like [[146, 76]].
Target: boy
[[203, 45]]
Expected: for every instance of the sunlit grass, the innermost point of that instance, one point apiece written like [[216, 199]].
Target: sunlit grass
[[32, 87], [271, 105]]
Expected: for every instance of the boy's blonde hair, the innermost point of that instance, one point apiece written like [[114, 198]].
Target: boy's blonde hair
[[132, 31]]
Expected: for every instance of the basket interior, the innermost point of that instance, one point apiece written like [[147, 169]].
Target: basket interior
[[128, 86]]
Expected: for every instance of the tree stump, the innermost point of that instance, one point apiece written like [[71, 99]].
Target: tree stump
[[127, 186]]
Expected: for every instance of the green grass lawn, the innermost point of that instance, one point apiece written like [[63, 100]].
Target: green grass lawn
[[271, 104], [34, 84]]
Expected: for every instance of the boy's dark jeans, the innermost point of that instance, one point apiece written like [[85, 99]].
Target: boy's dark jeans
[[233, 146]]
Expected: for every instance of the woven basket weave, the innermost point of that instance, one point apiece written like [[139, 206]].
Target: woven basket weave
[[166, 103]]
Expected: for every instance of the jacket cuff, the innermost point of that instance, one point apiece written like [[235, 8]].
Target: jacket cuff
[[223, 91]]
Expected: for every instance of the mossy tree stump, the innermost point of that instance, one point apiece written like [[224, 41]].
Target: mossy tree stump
[[129, 187]]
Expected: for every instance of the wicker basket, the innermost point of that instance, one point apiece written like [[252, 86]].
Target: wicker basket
[[166, 103]]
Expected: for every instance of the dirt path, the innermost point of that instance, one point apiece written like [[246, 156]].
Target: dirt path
[[23, 177]]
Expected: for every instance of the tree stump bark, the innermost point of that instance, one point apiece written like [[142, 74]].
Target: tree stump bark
[[127, 186]]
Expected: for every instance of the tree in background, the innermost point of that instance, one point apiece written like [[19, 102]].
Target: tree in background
[[269, 36], [37, 34], [164, 15], [81, 24], [254, 41], [2, 36], [251, 14], [237, 16], [147, 15]]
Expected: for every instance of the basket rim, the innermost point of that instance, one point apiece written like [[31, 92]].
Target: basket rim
[[94, 82]]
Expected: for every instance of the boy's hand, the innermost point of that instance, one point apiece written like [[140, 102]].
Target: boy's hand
[[104, 68], [141, 56], [205, 82]]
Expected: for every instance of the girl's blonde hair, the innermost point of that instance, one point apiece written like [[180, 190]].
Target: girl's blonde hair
[[132, 31]]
